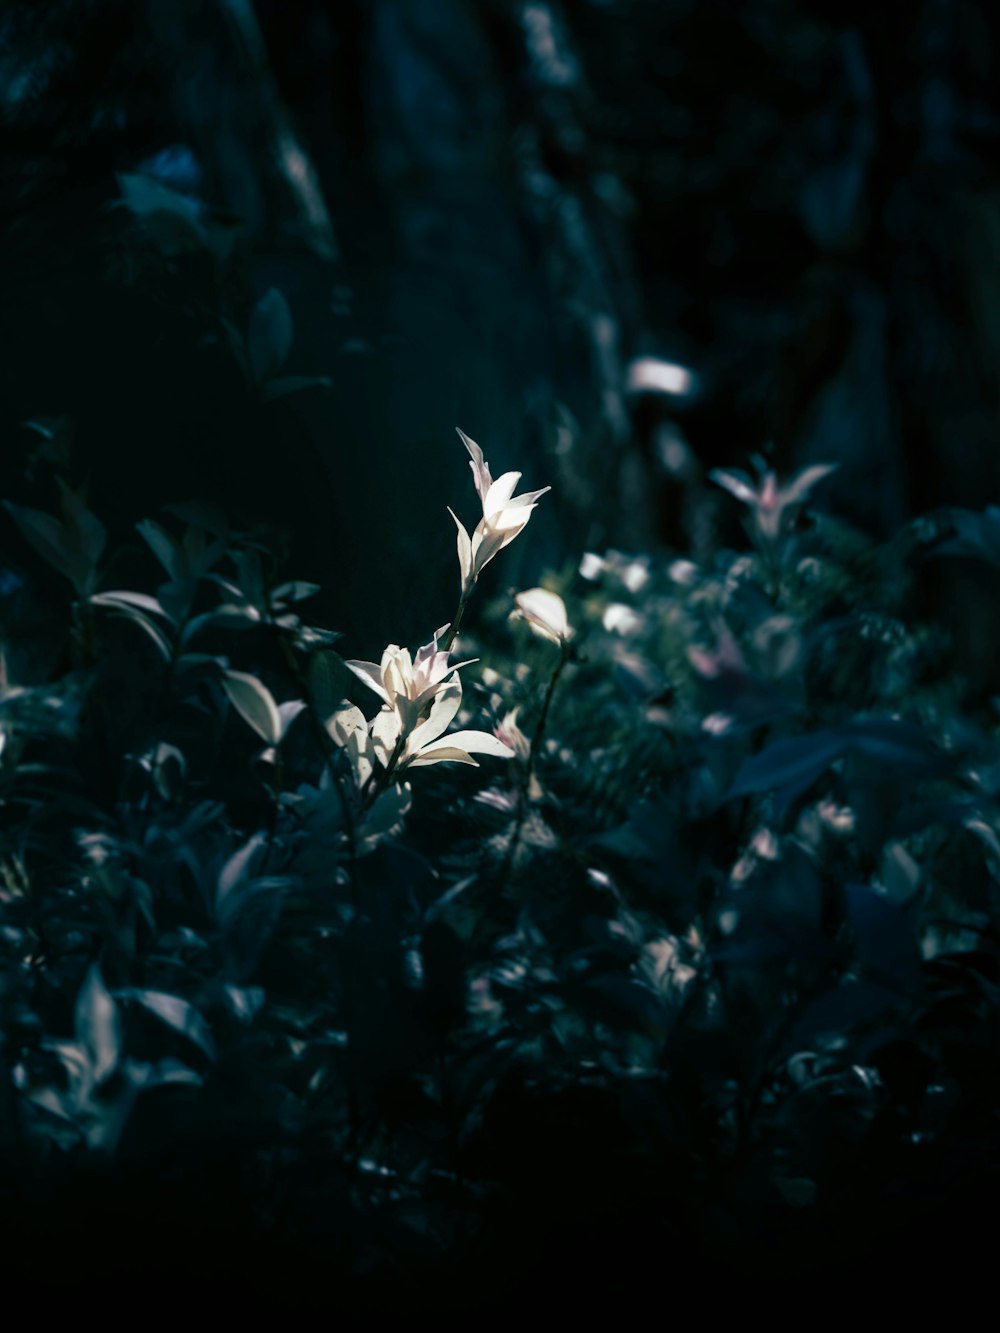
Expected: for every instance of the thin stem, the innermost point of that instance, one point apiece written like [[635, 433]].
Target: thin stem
[[455, 625], [529, 767], [379, 780], [272, 829], [327, 747]]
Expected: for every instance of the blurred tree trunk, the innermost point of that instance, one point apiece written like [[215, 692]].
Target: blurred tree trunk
[[479, 211]]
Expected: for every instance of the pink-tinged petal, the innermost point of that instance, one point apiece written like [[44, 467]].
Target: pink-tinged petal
[[435, 679], [464, 550], [499, 493], [371, 675], [768, 498], [429, 650], [446, 704], [478, 464], [480, 742]]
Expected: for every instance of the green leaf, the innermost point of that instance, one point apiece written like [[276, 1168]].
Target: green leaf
[[288, 712], [142, 195], [295, 591], [226, 616], [163, 546], [50, 539], [269, 338], [170, 219], [238, 867], [895, 745], [177, 1014], [88, 530], [98, 1025], [201, 514], [791, 766], [132, 599], [255, 704], [330, 681], [124, 605]]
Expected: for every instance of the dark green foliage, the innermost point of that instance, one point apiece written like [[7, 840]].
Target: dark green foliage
[[695, 998], [731, 968]]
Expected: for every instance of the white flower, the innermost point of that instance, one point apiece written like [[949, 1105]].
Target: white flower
[[408, 684], [545, 614], [591, 566], [621, 619], [349, 729], [427, 743], [511, 734], [769, 501], [504, 515]]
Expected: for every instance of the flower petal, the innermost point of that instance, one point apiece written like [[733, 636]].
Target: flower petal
[[736, 483], [528, 498], [446, 704], [803, 482], [464, 551], [443, 754], [480, 468], [466, 742], [345, 722], [371, 675], [361, 753], [397, 674], [497, 497], [385, 733], [545, 613], [486, 543], [428, 651]]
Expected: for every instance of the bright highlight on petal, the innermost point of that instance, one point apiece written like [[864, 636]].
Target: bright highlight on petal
[[545, 614], [406, 684], [505, 515]]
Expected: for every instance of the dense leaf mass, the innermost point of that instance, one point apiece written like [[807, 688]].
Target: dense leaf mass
[[631, 940]]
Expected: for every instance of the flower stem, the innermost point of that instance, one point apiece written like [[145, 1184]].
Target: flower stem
[[379, 781], [529, 767], [456, 622], [327, 747]]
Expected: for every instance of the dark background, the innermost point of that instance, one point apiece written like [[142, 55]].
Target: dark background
[[479, 212]]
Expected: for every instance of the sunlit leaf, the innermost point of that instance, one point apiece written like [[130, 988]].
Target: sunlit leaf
[[254, 703]]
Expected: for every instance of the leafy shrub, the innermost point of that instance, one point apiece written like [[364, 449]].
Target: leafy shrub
[[702, 955]]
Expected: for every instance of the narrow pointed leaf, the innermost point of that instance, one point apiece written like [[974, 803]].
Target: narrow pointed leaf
[[255, 704]]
